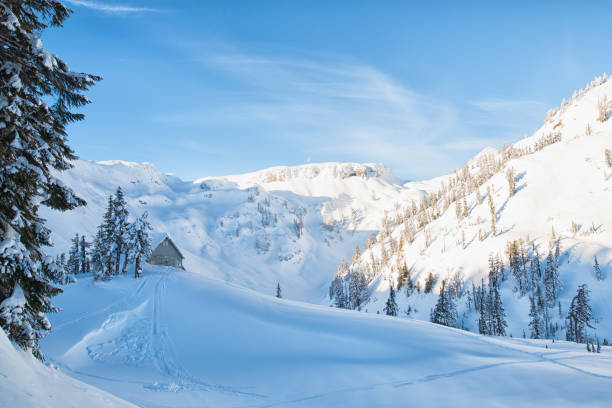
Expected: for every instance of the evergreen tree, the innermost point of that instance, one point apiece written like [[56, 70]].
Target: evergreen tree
[[597, 269], [138, 244], [579, 315], [105, 245], [534, 271], [535, 324], [489, 308], [391, 305], [337, 293], [74, 257], [119, 233], [278, 291], [84, 258], [444, 312], [551, 280], [499, 315], [494, 272], [482, 320], [37, 90], [98, 262]]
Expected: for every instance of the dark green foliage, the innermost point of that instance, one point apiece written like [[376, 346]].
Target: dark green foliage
[[33, 147], [597, 269], [579, 316], [391, 305], [444, 312], [535, 323], [138, 245], [74, 256], [278, 291]]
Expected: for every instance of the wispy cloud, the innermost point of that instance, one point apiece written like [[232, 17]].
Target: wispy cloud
[[333, 109], [508, 105], [110, 8]]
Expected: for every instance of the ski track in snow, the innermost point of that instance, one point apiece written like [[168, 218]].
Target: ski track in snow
[[105, 310], [538, 357], [165, 357]]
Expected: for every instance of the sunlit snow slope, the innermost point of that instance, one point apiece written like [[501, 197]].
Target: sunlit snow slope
[[178, 339], [563, 189], [287, 225], [26, 383]]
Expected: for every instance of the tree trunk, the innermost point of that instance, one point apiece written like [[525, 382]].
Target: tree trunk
[[137, 267], [118, 261], [125, 262]]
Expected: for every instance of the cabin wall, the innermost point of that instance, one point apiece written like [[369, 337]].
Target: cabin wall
[[166, 255]]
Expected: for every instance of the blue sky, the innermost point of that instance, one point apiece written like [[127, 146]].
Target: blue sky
[[220, 87]]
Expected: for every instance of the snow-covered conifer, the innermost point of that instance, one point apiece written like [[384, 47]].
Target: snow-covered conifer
[[391, 305], [535, 323], [74, 256], [84, 255], [498, 314], [119, 233], [444, 312], [597, 269], [138, 245], [37, 90], [551, 280], [278, 291], [579, 315]]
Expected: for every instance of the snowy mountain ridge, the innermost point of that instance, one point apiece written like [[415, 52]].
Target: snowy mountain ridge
[[552, 187], [284, 224], [329, 170]]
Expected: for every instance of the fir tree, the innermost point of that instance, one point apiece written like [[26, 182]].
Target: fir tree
[[278, 291], [499, 315], [337, 294], [84, 258], [444, 312], [482, 320], [391, 305], [597, 269], [37, 90], [551, 280], [534, 271], [74, 256], [139, 242], [119, 233], [98, 255], [579, 315], [103, 257]]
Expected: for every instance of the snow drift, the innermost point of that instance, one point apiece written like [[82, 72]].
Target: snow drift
[[176, 338]]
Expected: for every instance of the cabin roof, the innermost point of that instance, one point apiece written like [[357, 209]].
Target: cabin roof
[[158, 238]]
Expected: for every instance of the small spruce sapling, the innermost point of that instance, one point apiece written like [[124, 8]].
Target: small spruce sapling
[[278, 291]]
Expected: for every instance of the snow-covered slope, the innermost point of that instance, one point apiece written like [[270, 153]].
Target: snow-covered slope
[[25, 382], [563, 187], [285, 224], [178, 339]]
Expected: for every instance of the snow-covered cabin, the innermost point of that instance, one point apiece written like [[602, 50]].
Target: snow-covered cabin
[[165, 252]]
